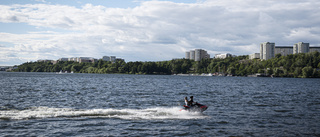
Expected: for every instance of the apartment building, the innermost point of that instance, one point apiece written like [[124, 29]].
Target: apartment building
[[223, 56], [267, 50], [87, 60], [197, 54], [254, 56], [313, 49], [300, 47], [283, 50]]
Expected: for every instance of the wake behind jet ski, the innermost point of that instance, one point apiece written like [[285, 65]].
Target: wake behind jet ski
[[193, 106]]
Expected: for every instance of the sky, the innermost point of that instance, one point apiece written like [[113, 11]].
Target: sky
[[150, 30]]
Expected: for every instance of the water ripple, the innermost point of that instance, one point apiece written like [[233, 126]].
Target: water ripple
[[35, 104]]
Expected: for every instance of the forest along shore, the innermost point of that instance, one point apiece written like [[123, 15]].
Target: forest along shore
[[303, 65]]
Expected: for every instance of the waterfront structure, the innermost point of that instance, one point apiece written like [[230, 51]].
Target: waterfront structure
[[3, 68], [300, 47], [12, 68], [223, 56], [197, 54], [283, 50], [254, 56], [267, 50]]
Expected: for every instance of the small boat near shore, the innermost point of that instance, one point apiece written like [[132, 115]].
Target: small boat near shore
[[203, 74], [65, 72]]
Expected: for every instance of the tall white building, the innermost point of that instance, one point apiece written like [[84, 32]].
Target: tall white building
[[192, 55], [187, 55], [201, 54], [197, 54], [267, 50], [300, 47]]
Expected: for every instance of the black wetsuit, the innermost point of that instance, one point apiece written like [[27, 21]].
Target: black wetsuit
[[191, 102]]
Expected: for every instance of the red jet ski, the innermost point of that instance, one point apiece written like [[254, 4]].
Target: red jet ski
[[197, 107]]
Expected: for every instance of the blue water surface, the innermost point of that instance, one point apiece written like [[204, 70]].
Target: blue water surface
[[49, 104]]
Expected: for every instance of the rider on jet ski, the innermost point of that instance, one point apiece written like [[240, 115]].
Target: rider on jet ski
[[189, 103], [193, 106]]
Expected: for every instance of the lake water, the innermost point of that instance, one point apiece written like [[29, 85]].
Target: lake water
[[48, 104]]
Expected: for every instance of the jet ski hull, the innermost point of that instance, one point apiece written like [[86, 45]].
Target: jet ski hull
[[195, 108]]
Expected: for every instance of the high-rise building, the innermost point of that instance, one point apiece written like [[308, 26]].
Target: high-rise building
[[192, 55], [267, 50], [197, 54], [187, 55], [300, 47], [201, 54]]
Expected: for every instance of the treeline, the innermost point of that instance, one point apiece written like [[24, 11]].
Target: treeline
[[295, 65]]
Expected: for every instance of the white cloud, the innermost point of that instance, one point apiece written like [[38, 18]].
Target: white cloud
[[41, 1], [158, 30]]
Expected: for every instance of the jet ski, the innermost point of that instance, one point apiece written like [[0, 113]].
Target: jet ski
[[197, 107]]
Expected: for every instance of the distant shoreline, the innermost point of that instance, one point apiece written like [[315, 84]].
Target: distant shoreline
[[303, 65]]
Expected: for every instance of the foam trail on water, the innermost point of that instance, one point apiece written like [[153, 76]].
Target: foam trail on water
[[149, 113]]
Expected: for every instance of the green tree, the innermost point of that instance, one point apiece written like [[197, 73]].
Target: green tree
[[307, 72], [297, 72], [278, 72], [269, 71], [231, 70], [91, 70], [294, 65]]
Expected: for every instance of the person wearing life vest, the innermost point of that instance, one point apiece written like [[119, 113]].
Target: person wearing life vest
[[186, 101], [189, 102]]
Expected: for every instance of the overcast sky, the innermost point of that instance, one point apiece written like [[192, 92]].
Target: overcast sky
[[150, 30]]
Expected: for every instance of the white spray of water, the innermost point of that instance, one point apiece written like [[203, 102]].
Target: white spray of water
[[149, 113]]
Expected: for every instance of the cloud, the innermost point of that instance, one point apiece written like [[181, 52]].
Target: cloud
[[159, 30], [40, 1]]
